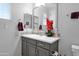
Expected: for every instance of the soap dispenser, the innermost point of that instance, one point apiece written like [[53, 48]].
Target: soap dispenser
[[40, 29]]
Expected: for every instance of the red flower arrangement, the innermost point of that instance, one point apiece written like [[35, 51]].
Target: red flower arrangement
[[49, 26]]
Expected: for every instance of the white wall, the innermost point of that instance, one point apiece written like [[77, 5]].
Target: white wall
[[18, 10], [68, 28], [7, 32]]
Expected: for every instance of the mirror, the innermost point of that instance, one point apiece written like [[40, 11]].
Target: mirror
[[48, 10], [38, 19]]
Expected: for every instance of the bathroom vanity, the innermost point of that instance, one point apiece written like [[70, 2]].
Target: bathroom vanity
[[37, 45]]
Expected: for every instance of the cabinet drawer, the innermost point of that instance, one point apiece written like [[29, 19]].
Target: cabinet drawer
[[43, 44], [32, 41]]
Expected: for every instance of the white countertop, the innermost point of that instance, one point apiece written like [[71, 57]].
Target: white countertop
[[41, 38]]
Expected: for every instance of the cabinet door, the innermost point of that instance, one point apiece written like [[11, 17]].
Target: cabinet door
[[42, 52], [23, 47], [31, 50]]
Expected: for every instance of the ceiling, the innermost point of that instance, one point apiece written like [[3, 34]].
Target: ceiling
[[51, 5]]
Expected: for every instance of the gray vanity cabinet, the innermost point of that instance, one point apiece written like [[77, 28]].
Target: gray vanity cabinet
[[31, 47], [31, 50]]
